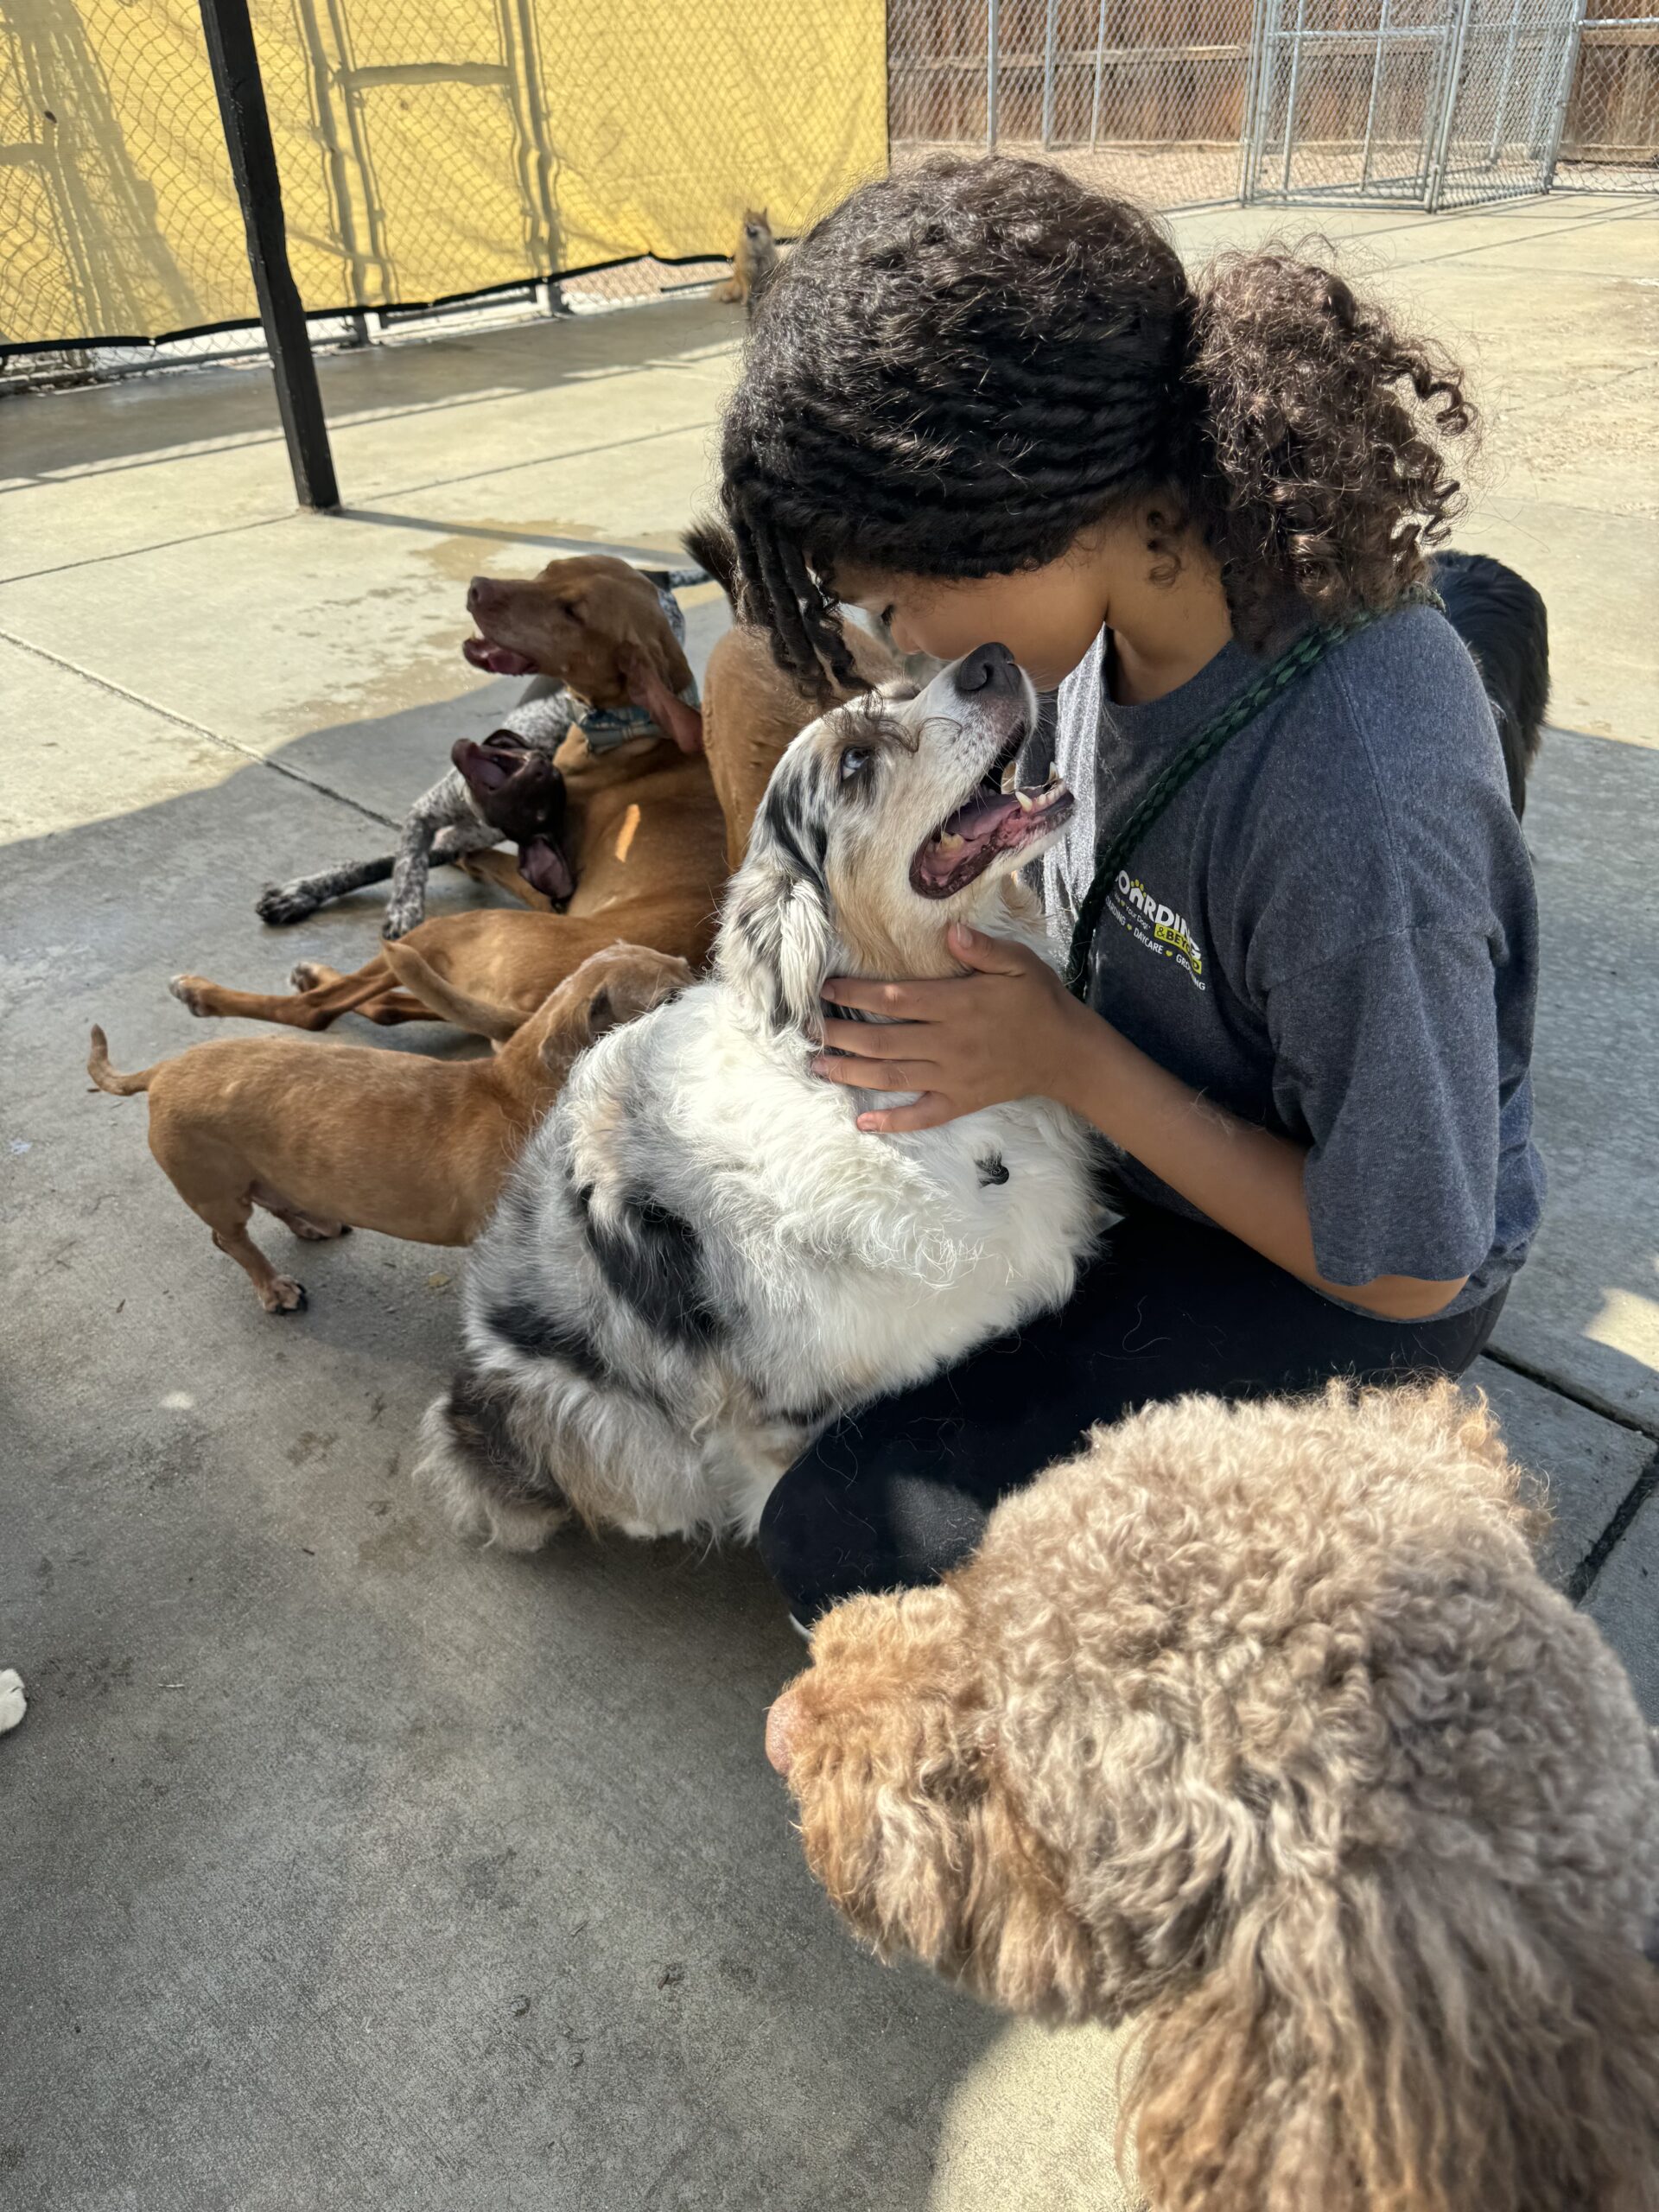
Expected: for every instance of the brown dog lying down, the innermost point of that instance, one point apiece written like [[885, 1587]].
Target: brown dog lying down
[[346, 1137], [607, 643], [651, 838], [1261, 1724], [646, 840]]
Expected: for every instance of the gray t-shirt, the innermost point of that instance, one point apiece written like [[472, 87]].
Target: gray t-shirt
[[1332, 931]]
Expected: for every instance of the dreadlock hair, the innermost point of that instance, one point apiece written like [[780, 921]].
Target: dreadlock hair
[[964, 366]]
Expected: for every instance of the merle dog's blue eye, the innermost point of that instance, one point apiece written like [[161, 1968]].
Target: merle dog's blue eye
[[854, 761]]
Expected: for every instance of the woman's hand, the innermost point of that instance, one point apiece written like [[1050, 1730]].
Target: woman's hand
[[1000, 1032]]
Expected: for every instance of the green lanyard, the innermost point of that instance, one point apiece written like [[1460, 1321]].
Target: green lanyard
[[1278, 678]]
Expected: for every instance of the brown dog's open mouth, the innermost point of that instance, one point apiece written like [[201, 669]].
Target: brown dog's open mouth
[[996, 818], [497, 660], [489, 766]]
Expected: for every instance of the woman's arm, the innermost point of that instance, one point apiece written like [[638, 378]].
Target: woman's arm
[[1009, 1029]]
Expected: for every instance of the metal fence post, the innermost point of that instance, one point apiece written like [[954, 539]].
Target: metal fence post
[[1290, 94], [1100, 73], [1050, 29], [1258, 78], [990, 75], [235, 62], [1377, 87], [1441, 150], [1564, 94]]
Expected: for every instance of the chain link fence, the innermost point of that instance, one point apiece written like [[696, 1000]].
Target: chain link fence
[[1610, 138], [429, 149], [1141, 97], [1437, 103], [523, 156]]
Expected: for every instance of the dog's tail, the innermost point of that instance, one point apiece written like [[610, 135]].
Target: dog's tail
[[482, 1016], [120, 1086], [712, 547], [471, 1460]]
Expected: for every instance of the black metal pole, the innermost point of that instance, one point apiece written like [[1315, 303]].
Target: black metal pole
[[235, 61]]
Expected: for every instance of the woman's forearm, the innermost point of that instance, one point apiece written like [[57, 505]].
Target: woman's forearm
[[1247, 1180]]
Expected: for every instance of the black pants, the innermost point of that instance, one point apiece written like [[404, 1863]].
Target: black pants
[[895, 1495]]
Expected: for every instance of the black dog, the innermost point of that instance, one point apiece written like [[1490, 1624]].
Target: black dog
[[1502, 621]]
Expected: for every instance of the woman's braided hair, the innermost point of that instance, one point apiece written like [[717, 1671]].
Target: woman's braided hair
[[965, 365]]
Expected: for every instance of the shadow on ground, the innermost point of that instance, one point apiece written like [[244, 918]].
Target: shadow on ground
[[353, 1866], [358, 1868]]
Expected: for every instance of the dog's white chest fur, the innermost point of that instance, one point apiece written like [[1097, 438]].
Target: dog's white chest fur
[[700, 1260], [856, 1263]]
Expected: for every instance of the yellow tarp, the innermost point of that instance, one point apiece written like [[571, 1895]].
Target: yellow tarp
[[427, 147]]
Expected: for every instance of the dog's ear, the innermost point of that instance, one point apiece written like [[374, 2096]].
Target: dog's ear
[[636, 985], [655, 671], [631, 988], [648, 688], [1372, 2041], [776, 943]]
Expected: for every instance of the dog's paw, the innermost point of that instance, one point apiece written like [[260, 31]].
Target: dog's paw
[[13, 1704], [188, 990], [280, 904], [281, 1296], [304, 976], [399, 920]]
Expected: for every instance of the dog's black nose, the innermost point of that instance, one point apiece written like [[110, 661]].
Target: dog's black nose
[[988, 668]]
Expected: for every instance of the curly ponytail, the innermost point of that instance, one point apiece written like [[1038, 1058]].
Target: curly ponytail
[[1322, 476], [966, 365]]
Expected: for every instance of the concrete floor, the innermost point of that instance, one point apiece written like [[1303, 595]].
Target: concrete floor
[[340, 1866]]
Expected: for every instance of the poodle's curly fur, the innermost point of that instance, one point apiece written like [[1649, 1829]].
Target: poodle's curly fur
[[1259, 1723]]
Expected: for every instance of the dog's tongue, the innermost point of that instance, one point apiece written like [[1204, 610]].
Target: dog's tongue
[[497, 660], [545, 868], [990, 823]]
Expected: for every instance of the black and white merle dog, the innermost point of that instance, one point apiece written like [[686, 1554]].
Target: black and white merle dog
[[699, 1258]]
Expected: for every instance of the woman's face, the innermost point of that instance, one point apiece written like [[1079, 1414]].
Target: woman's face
[[1048, 618]]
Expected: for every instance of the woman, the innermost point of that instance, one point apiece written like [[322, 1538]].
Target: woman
[[983, 404]]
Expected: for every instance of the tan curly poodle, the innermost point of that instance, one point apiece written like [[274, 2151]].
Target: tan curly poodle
[[1259, 1723]]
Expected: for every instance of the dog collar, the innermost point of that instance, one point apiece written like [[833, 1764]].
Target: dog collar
[[605, 728], [608, 727], [546, 722]]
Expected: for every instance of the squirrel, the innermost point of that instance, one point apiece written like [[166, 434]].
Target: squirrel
[[753, 264]]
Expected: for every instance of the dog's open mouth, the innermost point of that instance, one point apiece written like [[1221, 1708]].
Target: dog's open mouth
[[996, 818], [491, 766], [497, 660]]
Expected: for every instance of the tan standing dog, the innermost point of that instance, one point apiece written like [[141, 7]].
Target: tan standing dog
[[345, 1137]]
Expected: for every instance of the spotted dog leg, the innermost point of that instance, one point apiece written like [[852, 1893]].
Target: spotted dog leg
[[456, 833], [447, 806]]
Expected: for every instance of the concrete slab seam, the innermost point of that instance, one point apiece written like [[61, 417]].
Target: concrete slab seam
[[1592, 1401], [199, 729], [1582, 1579]]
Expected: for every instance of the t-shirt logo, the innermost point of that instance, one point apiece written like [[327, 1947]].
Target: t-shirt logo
[[1156, 927]]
